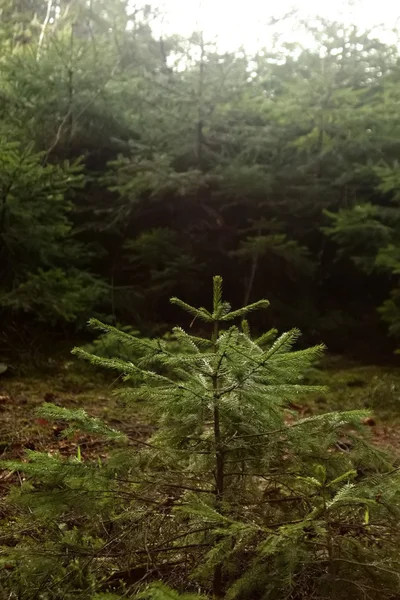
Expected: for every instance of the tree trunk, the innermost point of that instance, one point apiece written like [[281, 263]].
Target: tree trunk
[[219, 465]]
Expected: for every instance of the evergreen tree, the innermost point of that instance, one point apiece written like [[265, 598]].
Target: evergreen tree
[[367, 232], [231, 495], [41, 263]]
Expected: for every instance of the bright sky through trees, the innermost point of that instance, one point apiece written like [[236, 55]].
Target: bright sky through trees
[[237, 23]]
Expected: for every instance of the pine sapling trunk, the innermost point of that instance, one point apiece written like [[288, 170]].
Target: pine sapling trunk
[[219, 488], [219, 460]]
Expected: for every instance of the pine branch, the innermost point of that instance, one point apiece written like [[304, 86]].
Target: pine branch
[[197, 313], [79, 420], [242, 312], [126, 338]]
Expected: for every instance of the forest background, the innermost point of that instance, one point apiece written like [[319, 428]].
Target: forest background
[[135, 166]]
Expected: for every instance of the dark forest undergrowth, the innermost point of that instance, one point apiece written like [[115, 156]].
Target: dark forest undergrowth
[[351, 385]]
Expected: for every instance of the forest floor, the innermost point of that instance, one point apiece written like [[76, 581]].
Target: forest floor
[[351, 386]]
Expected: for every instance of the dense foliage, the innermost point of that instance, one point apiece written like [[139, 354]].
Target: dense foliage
[[276, 169], [132, 168], [232, 496]]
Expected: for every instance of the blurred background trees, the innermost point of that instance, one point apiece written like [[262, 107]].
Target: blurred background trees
[[134, 167]]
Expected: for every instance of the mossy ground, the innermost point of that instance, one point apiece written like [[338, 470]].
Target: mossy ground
[[350, 386], [70, 386]]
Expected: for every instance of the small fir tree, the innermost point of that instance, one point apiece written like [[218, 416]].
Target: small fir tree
[[42, 269], [231, 496]]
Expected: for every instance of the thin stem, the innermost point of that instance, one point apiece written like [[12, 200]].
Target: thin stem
[[43, 30], [219, 459]]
